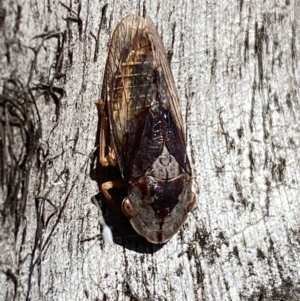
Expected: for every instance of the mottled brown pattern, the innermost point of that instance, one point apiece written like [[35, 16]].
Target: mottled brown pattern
[[146, 130]]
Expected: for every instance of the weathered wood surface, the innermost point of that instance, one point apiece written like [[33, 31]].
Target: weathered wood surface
[[236, 67]]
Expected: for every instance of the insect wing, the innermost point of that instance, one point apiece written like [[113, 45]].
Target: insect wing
[[141, 99], [160, 57], [125, 87]]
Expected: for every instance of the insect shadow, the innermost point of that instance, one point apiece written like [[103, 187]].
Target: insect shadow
[[122, 231]]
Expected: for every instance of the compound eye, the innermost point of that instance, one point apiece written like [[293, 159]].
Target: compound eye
[[127, 208]]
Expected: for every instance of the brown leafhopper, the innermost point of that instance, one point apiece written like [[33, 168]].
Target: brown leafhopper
[[142, 132]]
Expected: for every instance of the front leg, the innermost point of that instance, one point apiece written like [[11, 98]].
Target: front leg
[[107, 160], [110, 159], [109, 185]]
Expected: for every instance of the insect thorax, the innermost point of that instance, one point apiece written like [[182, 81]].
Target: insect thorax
[[165, 167]]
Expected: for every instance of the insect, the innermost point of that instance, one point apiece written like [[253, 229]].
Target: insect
[[142, 132]]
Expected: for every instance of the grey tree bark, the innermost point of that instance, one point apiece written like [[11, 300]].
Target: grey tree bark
[[236, 67]]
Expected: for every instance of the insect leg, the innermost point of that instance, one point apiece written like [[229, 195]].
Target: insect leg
[[193, 204], [108, 185], [112, 203], [110, 158]]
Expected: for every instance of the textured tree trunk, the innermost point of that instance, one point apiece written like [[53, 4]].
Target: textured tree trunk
[[236, 68]]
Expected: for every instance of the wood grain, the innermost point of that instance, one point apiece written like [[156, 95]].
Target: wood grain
[[236, 68]]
